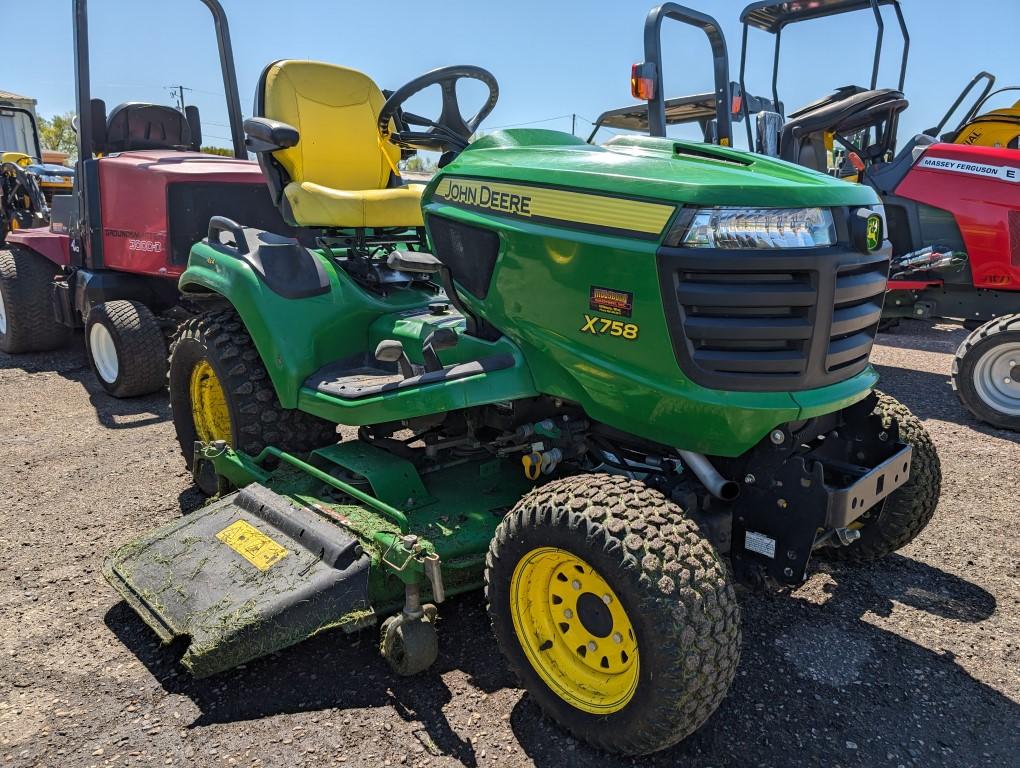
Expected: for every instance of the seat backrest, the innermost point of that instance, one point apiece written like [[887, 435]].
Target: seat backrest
[[336, 113], [136, 125]]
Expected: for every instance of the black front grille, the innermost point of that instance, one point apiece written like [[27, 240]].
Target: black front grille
[[772, 321]]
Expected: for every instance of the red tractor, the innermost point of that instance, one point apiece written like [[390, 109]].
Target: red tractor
[[111, 256]]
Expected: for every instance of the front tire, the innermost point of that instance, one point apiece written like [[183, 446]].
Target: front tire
[[220, 390], [27, 323], [614, 611], [986, 372], [905, 513], [126, 348]]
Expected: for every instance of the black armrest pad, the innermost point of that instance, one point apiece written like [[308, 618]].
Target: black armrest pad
[[265, 135]]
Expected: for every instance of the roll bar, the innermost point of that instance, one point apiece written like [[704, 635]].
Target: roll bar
[[652, 67], [83, 93], [989, 79]]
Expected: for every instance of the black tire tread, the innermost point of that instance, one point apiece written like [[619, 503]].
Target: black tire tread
[[25, 278], [683, 586], [961, 380], [910, 507], [263, 420], [141, 347]]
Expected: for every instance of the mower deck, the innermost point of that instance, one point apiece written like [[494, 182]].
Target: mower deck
[[248, 575], [260, 570]]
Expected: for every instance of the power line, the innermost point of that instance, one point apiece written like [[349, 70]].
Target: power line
[[532, 122]]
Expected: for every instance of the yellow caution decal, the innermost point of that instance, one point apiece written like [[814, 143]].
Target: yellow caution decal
[[251, 544], [559, 206]]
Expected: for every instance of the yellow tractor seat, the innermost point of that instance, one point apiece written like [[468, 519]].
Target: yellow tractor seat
[[314, 205], [336, 171]]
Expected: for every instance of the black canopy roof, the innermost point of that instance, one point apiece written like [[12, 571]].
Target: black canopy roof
[[771, 16]]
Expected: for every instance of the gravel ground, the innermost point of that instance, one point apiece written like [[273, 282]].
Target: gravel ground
[[914, 662]]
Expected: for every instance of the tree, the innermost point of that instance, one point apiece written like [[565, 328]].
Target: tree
[[218, 151], [419, 164], [57, 133]]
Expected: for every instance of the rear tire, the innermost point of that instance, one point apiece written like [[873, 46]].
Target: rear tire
[[614, 611], [904, 514], [27, 323], [986, 372], [126, 348], [220, 390]]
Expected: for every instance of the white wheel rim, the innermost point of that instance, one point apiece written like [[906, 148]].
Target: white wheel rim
[[104, 353], [997, 378], [3, 314]]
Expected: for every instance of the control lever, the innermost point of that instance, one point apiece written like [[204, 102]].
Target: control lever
[[441, 338], [392, 351]]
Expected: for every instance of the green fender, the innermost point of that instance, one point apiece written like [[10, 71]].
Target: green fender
[[295, 337]]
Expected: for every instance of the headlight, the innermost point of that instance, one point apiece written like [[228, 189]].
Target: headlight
[[758, 228], [52, 179]]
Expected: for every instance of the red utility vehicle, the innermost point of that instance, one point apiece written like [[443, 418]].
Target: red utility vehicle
[[111, 256]]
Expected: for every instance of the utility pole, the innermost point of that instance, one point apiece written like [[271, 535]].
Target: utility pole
[[177, 92], [573, 124]]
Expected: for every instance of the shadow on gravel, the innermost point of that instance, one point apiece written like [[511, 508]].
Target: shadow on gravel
[[819, 684], [335, 672], [71, 363], [814, 678], [931, 396], [922, 334]]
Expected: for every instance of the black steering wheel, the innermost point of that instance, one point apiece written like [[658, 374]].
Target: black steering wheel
[[450, 132]]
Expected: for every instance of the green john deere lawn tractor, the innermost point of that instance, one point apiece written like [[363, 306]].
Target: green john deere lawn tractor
[[603, 383]]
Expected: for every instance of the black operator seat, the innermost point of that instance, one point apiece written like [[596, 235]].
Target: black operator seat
[[845, 110], [140, 126]]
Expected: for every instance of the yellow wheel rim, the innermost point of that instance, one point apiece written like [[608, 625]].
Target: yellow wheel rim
[[574, 631], [209, 404]]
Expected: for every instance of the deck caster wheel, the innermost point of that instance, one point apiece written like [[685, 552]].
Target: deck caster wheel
[[410, 645]]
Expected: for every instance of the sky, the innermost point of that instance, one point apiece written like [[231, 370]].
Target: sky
[[552, 58]]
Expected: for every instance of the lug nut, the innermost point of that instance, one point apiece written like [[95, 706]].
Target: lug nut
[[607, 599], [591, 645], [568, 614], [575, 584], [617, 638]]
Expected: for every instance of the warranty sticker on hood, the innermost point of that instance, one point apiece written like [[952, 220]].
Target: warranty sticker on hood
[[610, 301]]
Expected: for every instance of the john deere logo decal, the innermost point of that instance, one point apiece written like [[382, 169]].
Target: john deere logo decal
[[484, 196], [589, 210], [874, 236]]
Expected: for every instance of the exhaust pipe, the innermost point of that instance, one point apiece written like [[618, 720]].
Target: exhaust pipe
[[717, 485]]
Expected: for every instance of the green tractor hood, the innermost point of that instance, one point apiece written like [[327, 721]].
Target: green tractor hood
[[672, 170]]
